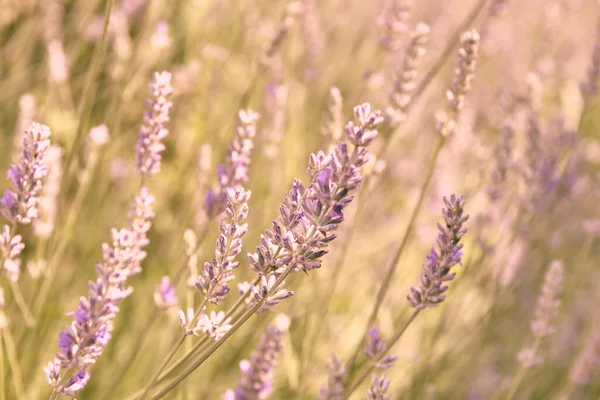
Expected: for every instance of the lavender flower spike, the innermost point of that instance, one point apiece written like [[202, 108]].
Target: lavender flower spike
[[213, 280], [257, 372], [10, 250], [374, 349], [234, 172], [548, 301], [149, 146], [20, 205], [84, 340], [337, 376], [309, 216], [164, 295], [436, 270], [379, 387]]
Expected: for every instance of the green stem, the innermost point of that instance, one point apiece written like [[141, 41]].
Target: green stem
[[2, 381], [198, 346], [22, 304], [522, 372], [394, 263], [154, 317], [230, 332], [85, 107], [13, 362], [67, 231]]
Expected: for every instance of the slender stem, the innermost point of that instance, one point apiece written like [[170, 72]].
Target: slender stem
[[192, 323], [450, 45], [22, 304], [2, 382], [154, 317], [136, 349], [392, 342], [230, 332], [198, 346], [394, 263], [85, 107], [13, 362], [74, 210], [522, 372]]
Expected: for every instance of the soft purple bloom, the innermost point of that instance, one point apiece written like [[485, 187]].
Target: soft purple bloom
[[379, 388], [85, 338], [375, 349], [44, 225], [234, 172], [257, 372], [337, 375], [11, 247], [149, 146], [20, 204], [212, 282], [309, 216], [437, 269], [164, 295]]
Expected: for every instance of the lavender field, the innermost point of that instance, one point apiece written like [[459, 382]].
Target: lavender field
[[301, 199]]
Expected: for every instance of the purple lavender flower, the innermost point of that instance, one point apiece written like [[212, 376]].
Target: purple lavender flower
[[44, 225], [149, 146], [85, 338], [436, 270], [234, 172], [379, 387], [336, 379], [309, 216], [375, 347], [164, 295], [257, 372], [548, 301], [213, 280], [11, 247], [20, 205]]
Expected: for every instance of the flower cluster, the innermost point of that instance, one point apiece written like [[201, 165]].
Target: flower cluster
[[217, 273], [85, 338], [548, 301], [149, 146], [405, 80], [214, 325], [44, 226], [257, 372], [164, 295], [437, 269], [375, 349], [464, 73], [336, 380], [393, 23], [309, 216], [379, 388], [234, 172], [11, 247], [20, 205]]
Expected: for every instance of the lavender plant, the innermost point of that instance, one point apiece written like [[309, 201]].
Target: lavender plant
[[518, 141]]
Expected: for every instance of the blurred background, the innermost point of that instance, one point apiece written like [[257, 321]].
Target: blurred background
[[525, 154]]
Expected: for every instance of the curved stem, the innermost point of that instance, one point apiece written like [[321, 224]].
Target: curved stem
[[230, 332], [522, 372], [394, 263], [198, 346], [22, 304], [2, 381], [13, 362], [85, 107]]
